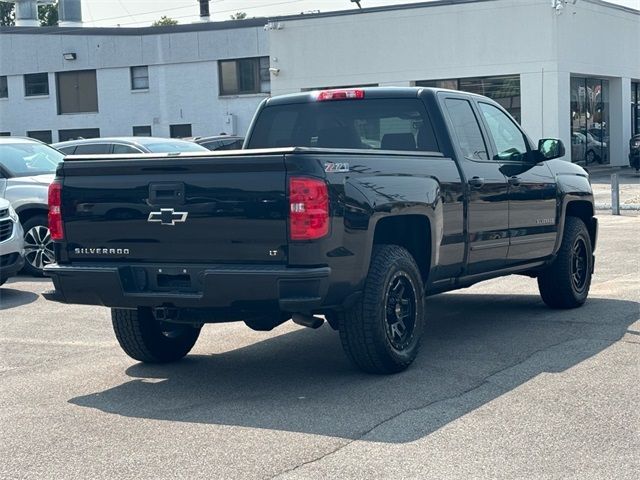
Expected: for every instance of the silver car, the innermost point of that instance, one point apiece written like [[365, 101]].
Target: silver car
[[11, 242], [27, 167]]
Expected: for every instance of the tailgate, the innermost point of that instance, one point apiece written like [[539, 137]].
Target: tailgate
[[214, 209]]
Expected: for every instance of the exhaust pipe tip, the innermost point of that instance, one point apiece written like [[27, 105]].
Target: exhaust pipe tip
[[308, 321]]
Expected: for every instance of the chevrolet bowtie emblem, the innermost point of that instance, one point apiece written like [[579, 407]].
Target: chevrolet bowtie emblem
[[168, 216]]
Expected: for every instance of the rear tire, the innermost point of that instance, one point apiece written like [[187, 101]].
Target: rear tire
[[144, 338], [565, 283], [381, 333]]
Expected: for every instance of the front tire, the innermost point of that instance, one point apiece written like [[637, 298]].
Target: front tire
[[381, 333], [565, 283], [144, 338], [38, 246]]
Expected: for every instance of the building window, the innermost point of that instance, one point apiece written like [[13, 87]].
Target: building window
[[142, 131], [36, 84], [139, 78], [77, 92], [589, 120], [180, 131], [5, 134], [244, 76], [635, 108], [4, 88], [76, 133], [42, 135], [504, 90]]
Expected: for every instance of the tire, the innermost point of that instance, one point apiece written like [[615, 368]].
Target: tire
[[145, 339], [565, 283], [37, 245], [590, 157], [371, 331]]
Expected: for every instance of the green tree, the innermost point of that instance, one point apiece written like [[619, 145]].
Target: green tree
[[239, 16], [7, 14], [164, 21], [48, 15]]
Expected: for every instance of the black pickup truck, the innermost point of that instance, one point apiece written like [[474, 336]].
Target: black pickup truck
[[353, 204]]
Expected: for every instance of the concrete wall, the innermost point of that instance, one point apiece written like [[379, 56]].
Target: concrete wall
[[183, 80]]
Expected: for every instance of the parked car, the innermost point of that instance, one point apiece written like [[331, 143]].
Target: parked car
[[124, 145], [585, 146], [455, 193], [634, 152], [221, 142], [11, 242], [27, 167]]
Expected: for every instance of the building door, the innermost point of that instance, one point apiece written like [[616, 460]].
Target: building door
[[589, 120]]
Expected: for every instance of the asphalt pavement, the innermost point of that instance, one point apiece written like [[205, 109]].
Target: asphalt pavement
[[503, 388]]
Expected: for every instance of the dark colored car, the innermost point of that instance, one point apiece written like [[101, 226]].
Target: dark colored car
[[352, 204], [126, 145], [221, 142], [634, 152]]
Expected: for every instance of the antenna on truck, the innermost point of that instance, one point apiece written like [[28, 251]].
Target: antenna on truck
[[357, 2]]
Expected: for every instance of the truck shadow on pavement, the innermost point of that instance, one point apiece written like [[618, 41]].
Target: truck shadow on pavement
[[476, 348], [11, 298]]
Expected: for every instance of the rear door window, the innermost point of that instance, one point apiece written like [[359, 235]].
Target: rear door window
[[376, 124], [119, 148], [93, 149], [467, 130]]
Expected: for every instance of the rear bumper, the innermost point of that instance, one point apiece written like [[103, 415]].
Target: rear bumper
[[237, 287]]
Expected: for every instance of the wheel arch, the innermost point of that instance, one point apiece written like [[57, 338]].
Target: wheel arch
[[27, 211], [411, 231], [584, 210]]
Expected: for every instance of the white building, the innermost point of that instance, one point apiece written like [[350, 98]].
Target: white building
[[185, 80], [563, 68]]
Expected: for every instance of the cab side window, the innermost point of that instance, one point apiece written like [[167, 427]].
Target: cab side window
[[507, 137], [465, 125]]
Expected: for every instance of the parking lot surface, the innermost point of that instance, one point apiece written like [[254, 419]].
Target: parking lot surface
[[503, 388]]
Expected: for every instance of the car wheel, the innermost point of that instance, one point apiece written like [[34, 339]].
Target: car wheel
[[146, 339], [591, 157], [38, 246], [565, 283], [381, 333]]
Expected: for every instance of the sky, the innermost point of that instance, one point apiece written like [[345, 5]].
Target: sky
[[132, 13]]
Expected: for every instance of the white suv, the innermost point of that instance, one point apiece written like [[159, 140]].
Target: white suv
[[11, 242]]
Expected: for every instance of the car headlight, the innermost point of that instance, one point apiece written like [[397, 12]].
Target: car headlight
[[13, 215]]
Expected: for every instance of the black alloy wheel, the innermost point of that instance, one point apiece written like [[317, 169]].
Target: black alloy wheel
[[400, 312]]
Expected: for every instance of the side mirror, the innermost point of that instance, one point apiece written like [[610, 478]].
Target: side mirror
[[550, 148]]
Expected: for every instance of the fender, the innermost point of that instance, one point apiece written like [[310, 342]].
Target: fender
[[421, 196], [574, 187], [32, 206]]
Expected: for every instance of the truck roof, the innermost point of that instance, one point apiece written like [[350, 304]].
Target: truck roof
[[369, 93]]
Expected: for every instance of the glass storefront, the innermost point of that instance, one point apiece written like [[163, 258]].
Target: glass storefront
[[589, 120], [635, 108], [503, 89]]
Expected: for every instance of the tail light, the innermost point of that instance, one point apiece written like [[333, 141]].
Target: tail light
[[55, 211], [308, 208], [354, 94]]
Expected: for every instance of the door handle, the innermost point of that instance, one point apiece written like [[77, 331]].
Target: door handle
[[476, 182], [514, 180]]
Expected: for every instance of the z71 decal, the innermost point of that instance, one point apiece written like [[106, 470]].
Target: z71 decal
[[331, 167]]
